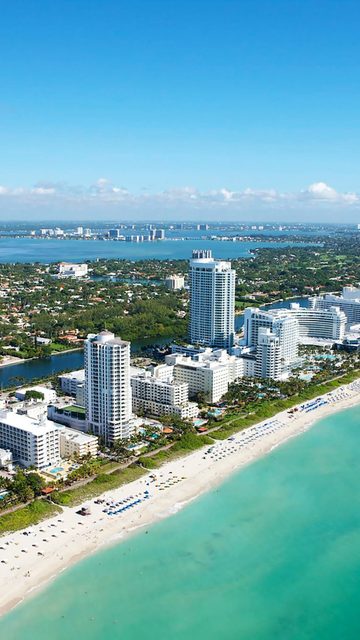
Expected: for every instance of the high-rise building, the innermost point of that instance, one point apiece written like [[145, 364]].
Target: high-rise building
[[212, 301], [268, 361], [175, 282], [285, 328], [107, 386]]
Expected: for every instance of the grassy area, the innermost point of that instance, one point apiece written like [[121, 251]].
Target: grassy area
[[26, 516], [75, 409], [102, 482], [236, 422], [188, 443]]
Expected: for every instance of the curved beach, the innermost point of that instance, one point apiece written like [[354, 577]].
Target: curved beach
[[55, 544]]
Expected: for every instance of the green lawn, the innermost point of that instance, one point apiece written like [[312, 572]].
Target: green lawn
[[103, 482], [190, 442], [26, 516]]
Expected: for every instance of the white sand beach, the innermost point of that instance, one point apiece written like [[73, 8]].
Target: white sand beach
[[29, 560]]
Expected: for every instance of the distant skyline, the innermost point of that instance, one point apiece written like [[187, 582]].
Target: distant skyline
[[229, 109]]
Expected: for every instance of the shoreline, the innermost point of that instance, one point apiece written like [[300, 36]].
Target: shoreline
[[58, 543]]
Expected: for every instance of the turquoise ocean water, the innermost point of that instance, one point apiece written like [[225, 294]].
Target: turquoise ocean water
[[274, 553]]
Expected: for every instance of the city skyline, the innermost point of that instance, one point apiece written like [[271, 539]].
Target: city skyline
[[230, 110]]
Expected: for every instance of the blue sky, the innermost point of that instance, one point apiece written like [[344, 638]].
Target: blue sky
[[180, 108]]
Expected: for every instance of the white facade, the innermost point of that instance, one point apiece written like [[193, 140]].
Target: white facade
[[268, 360], [107, 386], [316, 323], [6, 457], [48, 394], [286, 328], [72, 270], [159, 397], [209, 373], [32, 443], [69, 382], [74, 443], [348, 302], [175, 282], [212, 301]]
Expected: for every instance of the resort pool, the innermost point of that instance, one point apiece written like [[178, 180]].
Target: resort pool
[[56, 470]]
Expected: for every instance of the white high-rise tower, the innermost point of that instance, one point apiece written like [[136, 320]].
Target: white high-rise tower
[[212, 301], [107, 386]]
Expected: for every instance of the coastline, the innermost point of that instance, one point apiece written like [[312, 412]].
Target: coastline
[[67, 538]]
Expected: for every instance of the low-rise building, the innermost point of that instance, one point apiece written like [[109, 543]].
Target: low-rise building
[[6, 457], [156, 397], [74, 443], [49, 395], [71, 416], [69, 382], [32, 442]]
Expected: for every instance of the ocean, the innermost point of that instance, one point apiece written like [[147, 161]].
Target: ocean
[[274, 552]]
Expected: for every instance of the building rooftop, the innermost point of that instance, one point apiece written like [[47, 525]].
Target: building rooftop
[[35, 427]]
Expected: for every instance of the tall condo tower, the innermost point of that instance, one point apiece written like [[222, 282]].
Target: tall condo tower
[[107, 386], [212, 301]]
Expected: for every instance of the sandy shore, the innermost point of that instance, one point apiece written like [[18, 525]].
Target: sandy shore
[[55, 544]]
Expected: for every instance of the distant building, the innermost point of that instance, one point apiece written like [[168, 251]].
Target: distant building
[[72, 270], [212, 301], [329, 323], [32, 443], [348, 302], [175, 282]]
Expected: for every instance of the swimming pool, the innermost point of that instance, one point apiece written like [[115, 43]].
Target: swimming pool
[[56, 470]]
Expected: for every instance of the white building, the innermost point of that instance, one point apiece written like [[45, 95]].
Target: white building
[[156, 397], [49, 395], [72, 270], [175, 282], [69, 382], [212, 301], [107, 386], [348, 302], [286, 328], [316, 323], [32, 442], [6, 458], [209, 373], [268, 360], [75, 443]]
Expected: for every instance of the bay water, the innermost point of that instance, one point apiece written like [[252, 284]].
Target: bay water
[[274, 552]]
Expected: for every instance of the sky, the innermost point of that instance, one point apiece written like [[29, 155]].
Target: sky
[[180, 109]]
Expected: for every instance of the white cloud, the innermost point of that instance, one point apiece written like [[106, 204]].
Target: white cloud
[[103, 196]]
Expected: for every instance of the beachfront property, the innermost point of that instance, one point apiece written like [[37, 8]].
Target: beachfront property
[[72, 270], [70, 382], [285, 328], [348, 302], [32, 442], [107, 386], [268, 363], [153, 396], [73, 443], [174, 282], [208, 373], [329, 323], [212, 301]]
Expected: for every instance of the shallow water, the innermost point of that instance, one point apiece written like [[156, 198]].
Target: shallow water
[[272, 553]]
